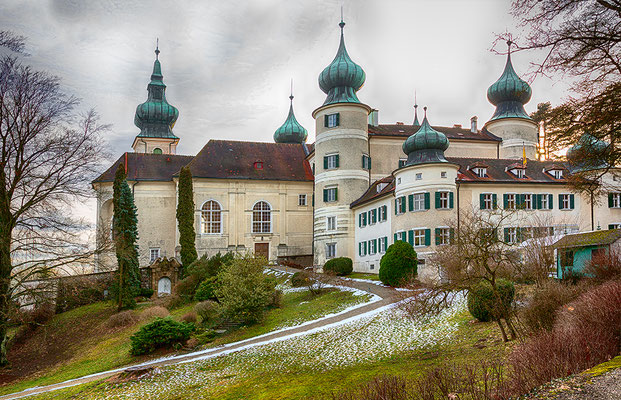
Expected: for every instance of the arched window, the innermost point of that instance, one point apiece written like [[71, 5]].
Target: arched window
[[261, 218], [211, 215], [157, 150]]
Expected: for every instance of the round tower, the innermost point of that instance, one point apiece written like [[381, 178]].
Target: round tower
[[342, 156], [510, 122]]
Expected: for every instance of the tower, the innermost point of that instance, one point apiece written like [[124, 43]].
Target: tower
[[155, 117], [341, 154], [510, 121]]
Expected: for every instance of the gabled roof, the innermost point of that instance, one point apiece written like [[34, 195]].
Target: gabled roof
[[373, 194], [147, 167], [595, 238], [498, 171], [228, 159], [453, 133]]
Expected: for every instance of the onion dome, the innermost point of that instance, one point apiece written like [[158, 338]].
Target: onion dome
[[291, 131], [509, 93], [155, 117], [588, 153], [342, 78], [425, 146]]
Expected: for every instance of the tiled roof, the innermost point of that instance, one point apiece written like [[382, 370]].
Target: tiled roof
[[147, 167], [228, 159], [453, 133], [372, 193], [497, 171], [594, 238]]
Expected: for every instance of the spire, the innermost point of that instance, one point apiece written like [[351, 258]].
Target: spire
[[291, 131], [342, 78], [425, 146], [156, 117], [509, 93], [416, 123]]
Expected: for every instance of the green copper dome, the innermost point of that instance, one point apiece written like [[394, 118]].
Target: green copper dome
[[588, 153], [342, 78], [291, 131], [426, 145], [155, 117], [509, 93]]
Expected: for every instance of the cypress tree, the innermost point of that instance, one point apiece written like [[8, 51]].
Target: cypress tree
[[185, 218], [125, 228]]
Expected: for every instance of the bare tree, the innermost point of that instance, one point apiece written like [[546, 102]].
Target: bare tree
[[49, 155]]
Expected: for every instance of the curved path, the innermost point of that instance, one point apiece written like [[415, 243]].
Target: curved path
[[388, 296]]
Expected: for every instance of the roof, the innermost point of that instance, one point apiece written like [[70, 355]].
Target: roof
[[228, 159], [497, 171], [147, 167], [372, 193], [453, 133], [594, 238]]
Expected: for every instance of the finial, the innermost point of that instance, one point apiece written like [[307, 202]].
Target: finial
[[157, 48], [415, 110], [425, 108], [342, 24], [509, 43], [291, 96]]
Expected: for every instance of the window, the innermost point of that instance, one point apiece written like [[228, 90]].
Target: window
[[157, 150], [511, 235], [366, 162], [154, 254], [261, 218], [400, 205], [331, 161], [380, 187], [567, 258], [372, 216], [332, 120], [402, 162], [443, 236], [373, 246], [614, 226], [545, 202], [557, 173], [528, 202], [331, 223], [519, 172], [419, 176], [362, 219], [481, 172], [566, 201], [443, 174], [330, 250], [444, 200], [383, 244], [510, 201], [301, 200], [419, 202], [362, 249], [419, 237], [330, 195], [211, 217], [564, 229], [614, 200], [401, 235], [487, 201], [258, 165], [383, 213]]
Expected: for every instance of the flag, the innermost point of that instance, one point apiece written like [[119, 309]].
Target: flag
[[523, 155]]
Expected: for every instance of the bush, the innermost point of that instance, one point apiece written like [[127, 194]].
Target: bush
[[206, 289], [154, 312], [172, 302], [162, 332], [122, 319], [206, 337], [74, 292], [399, 264], [300, 279], [207, 310], [340, 266], [540, 313], [486, 304], [146, 292], [189, 317], [276, 300], [186, 288], [604, 267], [41, 314], [208, 267]]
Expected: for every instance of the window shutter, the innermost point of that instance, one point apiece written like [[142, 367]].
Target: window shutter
[[538, 201], [411, 202], [450, 199], [494, 201], [369, 162], [427, 237], [313, 199], [411, 237], [451, 235], [375, 245], [437, 236], [385, 242], [403, 204], [384, 213], [325, 121], [611, 226], [337, 160], [571, 201], [560, 201], [505, 201], [325, 162], [437, 199], [482, 201], [395, 238], [360, 220], [360, 248], [610, 200], [365, 248], [338, 119], [427, 200], [396, 206], [550, 201], [522, 201], [364, 164], [364, 219], [325, 195], [506, 235], [336, 194]]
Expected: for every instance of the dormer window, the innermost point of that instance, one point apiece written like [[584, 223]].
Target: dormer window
[[481, 172], [557, 173], [381, 186], [518, 170], [258, 165]]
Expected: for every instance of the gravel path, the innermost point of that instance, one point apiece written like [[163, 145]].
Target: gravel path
[[583, 387], [388, 296]]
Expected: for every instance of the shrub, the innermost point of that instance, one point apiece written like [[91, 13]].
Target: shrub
[[276, 300], [206, 337], [301, 278], [41, 314], [540, 313], [79, 291], [122, 319], [186, 288], [189, 317], [162, 332], [207, 310], [486, 304], [340, 266], [206, 289], [399, 264], [146, 292], [207, 267], [604, 267], [154, 312], [172, 302]]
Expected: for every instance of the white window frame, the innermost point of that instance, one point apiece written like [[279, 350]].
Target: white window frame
[[616, 200], [366, 163], [566, 199], [402, 235], [443, 174], [332, 120], [400, 200], [154, 251], [512, 234], [545, 200], [372, 247], [262, 212], [402, 162], [445, 235], [207, 216], [419, 176], [331, 160], [519, 172], [382, 246], [481, 172], [419, 237], [334, 223], [330, 250], [511, 201], [302, 200], [444, 200], [488, 201], [529, 201], [419, 201], [331, 194]]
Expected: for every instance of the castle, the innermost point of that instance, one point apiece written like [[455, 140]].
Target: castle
[[360, 187]]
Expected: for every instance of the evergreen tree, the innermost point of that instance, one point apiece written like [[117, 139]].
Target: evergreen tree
[[185, 218], [125, 230]]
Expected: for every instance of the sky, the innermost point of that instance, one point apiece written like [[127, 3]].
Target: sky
[[228, 64]]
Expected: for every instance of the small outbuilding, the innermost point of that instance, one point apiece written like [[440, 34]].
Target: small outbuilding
[[574, 251]]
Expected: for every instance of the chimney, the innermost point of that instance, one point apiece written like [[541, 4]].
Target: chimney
[[399, 123], [374, 118], [473, 124], [456, 125]]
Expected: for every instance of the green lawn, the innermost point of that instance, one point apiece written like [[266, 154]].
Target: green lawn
[[361, 275]]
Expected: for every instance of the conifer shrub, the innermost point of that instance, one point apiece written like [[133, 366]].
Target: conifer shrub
[[399, 264], [206, 289], [163, 332], [185, 218], [300, 278], [487, 304], [340, 266]]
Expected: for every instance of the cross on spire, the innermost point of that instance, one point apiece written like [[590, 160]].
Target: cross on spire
[[157, 48]]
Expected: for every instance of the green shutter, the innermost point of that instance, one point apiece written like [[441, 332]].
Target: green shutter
[[365, 248], [427, 237], [427, 200], [325, 121], [384, 213], [505, 201], [411, 237], [369, 162], [396, 206], [482, 201], [610, 202], [338, 119], [337, 160], [375, 245], [571, 202], [451, 235], [550, 201], [437, 236], [451, 199], [325, 162], [411, 202], [325, 195], [494, 201], [395, 238], [360, 220], [522, 201], [560, 201], [538, 201], [313, 199], [611, 226], [385, 243], [437, 200], [506, 235], [360, 248], [403, 204], [336, 194]]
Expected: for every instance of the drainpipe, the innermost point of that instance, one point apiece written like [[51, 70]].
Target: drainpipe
[[458, 207]]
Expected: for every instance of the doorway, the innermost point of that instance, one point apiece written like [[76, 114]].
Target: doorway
[[262, 249]]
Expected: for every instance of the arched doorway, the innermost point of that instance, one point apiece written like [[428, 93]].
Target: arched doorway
[[164, 286]]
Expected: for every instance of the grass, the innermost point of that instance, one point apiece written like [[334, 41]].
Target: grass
[[361, 275], [605, 367], [110, 349]]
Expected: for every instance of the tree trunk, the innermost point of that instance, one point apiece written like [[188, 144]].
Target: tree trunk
[[6, 230], [502, 330]]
